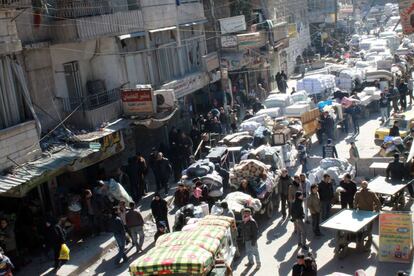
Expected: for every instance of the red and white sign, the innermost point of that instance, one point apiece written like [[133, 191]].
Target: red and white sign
[[407, 16], [138, 101]]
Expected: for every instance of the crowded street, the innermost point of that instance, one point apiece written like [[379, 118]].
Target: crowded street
[[207, 137]]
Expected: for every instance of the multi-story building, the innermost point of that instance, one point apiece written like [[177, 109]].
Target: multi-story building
[[66, 62]]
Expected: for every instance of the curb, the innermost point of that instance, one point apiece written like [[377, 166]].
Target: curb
[[111, 245]]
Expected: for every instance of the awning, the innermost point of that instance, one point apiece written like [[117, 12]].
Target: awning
[[31, 174], [163, 29], [154, 123], [109, 129], [131, 35], [197, 22]]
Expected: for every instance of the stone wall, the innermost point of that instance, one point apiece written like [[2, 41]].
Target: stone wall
[[19, 143]]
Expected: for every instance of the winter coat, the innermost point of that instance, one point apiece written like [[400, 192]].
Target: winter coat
[[326, 191], [293, 188], [283, 185], [249, 231], [314, 203], [366, 200], [134, 218], [159, 209], [396, 170], [181, 198], [297, 210], [117, 226], [163, 169], [350, 190]]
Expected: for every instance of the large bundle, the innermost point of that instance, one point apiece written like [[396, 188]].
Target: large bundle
[[200, 168], [249, 169], [316, 84], [300, 96], [237, 139], [237, 201], [273, 112], [297, 109], [335, 167], [250, 126], [116, 191], [214, 183], [262, 119]]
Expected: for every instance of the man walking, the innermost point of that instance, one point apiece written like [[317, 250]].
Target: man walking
[[326, 194], [297, 216], [163, 172], [159, 210], [314, 205], [283, 187], [249, 233], [329, 150], [306, 189], [135, 224], [348, 190], [118, 230], [384, 105], [354, 155], [59, 239]]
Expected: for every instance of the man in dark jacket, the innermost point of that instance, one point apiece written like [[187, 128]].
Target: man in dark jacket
[[59, 238], [249, 234], [297, 216], [159, 210], [326, 194], [283, 187], [327, 124], [162, 172], [395, 169], [349, 189], [403, 89], [329, 150], [299, 267], [185, 148], [117, 227]]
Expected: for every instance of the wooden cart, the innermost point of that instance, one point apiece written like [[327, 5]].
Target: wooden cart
[[391, 193], [351, 226]]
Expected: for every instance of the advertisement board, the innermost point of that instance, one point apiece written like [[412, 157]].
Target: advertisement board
[[407, 16], [395, 237], [138, 100], [251, 40], [232, 24], [229, 41], [211, 61]]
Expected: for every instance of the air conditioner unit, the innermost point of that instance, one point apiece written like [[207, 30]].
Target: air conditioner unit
[[165, 99]]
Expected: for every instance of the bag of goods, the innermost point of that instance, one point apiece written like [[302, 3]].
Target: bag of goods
[[237, 201], [117, 191], [249, 126], [297, 109], [273, 112], [200, 168]]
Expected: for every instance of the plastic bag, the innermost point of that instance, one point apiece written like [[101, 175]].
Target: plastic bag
[[64, 253]]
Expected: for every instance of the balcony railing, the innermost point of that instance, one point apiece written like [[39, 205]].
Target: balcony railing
[[15, 3], [91, 102], [84, 8]]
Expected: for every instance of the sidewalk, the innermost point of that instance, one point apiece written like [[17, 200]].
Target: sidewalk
[[85, 253]]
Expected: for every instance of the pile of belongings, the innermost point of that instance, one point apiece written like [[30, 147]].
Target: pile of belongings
[[237, 139], [252, 124], [316, 84], [205, 171], [265, 154], [261, 136], [237, 201], [273, 112], [335, 167], [368, 95], [392, 145], [251, 170]]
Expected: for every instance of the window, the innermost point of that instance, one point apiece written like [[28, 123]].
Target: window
[[73, 79], [12, 106]]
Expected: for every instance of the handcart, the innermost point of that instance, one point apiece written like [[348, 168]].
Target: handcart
[[352, 226], [391, 193]]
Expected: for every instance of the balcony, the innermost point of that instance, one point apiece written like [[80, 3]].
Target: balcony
[[94, 19], [9, 40], [91, 111], [15, 4]]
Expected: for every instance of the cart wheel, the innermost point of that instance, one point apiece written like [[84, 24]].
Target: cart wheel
[[269, 209]]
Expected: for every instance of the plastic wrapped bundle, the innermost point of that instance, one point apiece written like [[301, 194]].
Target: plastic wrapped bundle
[[238, 200], [118, 192], [238, 139], [200, 168], [249, 126]]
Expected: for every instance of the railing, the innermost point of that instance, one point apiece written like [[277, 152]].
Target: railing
[[84, 8], [91, 102], [15, 3]]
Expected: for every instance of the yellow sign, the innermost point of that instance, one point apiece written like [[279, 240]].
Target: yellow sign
[[396, 237], [292, 30]]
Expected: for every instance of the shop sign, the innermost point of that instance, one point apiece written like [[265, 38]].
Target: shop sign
[[232, 24], [280, 31], [293, 30], [236, 61], [229, 41], [395, 237], [111, 144], [211, 61], [251, 40], [407, 16], [282, 44], [138, 101], [187, 85]]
